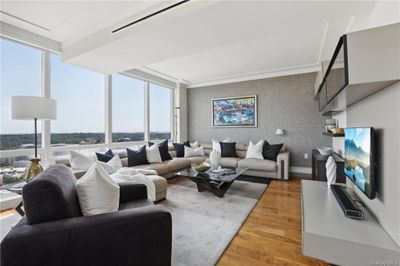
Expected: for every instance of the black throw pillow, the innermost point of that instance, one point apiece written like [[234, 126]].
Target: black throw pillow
[[180, 148], [228, 149], [270, 152], [138, 157], [163, 149], [105, 157]]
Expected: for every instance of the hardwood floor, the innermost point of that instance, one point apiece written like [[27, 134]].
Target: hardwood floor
[[271, 234]]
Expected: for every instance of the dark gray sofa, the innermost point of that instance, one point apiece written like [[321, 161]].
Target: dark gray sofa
[[54, 232]]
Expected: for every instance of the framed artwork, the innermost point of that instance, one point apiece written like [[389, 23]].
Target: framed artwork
[[234, 111]]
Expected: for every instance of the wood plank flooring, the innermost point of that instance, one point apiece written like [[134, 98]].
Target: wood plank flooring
[[271, 234]]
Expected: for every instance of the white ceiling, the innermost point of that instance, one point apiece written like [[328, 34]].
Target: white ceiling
[[198, 41], [70, 21]]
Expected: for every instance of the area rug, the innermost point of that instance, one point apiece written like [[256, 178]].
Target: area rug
[[7, 221], [202, 224]]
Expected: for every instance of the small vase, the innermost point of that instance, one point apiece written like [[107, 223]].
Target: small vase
[[215, 158], [330, 171]]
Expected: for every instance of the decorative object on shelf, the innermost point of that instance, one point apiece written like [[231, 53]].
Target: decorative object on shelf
[[201, 167], [235, 112], [337, 130], [330, 171], [32, 107], [329, 123], [279, 132], [326, 151], [215, 158]]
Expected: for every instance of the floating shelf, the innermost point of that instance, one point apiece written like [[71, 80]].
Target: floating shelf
[[333, 135]]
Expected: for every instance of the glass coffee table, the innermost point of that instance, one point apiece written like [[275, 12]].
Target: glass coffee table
[[217, 182]]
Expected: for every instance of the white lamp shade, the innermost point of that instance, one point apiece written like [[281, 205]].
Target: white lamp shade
[[30, 107], [279, 131]]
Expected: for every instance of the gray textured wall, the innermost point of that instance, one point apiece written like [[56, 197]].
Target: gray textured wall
[[283, 102]]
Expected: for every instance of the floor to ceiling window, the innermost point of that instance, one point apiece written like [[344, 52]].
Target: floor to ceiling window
[[80, 104], [81, 108], [127, 109], [160, 112], [20, 76]]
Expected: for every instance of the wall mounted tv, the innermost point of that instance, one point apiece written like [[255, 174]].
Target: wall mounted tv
[[359, 158]]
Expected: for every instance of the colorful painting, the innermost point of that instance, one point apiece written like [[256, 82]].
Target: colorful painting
[[235, 112]]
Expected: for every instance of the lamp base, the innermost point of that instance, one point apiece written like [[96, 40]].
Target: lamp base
[[34, 169]]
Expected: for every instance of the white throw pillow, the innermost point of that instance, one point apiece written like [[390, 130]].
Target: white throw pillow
[[217, 145], [254, 151], [190, 152], [112, 165], [153, 154], [97, 192], [80, 161], [194, 145], [115, 162]]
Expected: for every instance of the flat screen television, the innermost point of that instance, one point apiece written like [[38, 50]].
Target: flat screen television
[[359, 158]]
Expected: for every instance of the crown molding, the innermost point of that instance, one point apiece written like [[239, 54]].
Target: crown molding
[[256, 75]]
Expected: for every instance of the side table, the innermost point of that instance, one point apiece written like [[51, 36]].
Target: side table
[[17, 188]]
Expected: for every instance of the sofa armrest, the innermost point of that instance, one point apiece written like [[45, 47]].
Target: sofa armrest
[[283, 165], [141, 236], [130, 191]]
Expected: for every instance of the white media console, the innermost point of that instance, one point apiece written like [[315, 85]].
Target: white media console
[[330, 236]]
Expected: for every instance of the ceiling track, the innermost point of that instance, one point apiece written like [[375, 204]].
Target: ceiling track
[[150, 15], [25, 21]]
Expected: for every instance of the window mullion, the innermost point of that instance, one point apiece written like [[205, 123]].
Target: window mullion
[[108, 109], [46, 92], [146, 111]]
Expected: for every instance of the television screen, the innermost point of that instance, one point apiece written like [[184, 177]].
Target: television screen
[[358, 159]]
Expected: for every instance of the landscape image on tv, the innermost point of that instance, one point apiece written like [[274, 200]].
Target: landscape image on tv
[[358, 158]]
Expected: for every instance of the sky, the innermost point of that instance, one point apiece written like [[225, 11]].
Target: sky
[[79, 94]]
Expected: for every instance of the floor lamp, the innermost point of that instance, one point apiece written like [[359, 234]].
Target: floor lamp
[[36, 108]]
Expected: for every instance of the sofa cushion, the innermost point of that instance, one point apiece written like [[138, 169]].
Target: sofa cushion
[[229, 162], [178, 163], [104, 157], [97, 192], [254, 151], [80, 161], [270, 152], [216, 145], [228, 149], [193, 152], [51, 196], [153, 154], [259, 165], [180, 148], [137, 157], [161, 168], [163, 147]]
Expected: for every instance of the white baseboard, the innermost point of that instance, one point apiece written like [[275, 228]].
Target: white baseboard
[[301, 170]]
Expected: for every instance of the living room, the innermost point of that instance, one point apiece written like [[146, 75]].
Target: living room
[[200, 133]]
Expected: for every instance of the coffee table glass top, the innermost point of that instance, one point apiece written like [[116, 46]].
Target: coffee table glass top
[[223, 175]]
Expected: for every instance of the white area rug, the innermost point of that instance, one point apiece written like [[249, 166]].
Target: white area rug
[[7, 222], [202, 224]]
